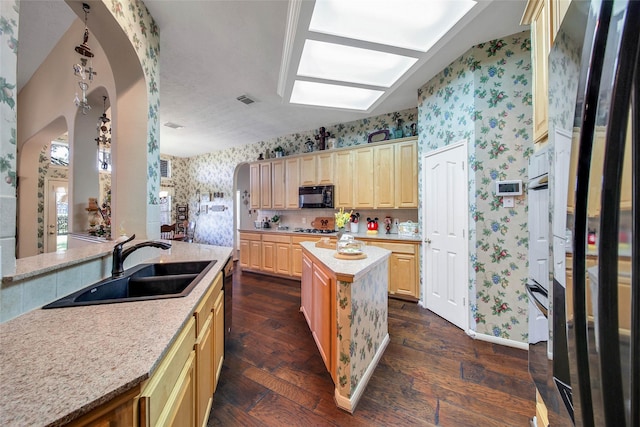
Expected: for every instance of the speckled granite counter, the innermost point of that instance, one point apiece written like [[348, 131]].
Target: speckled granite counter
[[360, 236], [56, 365], [348, 270]]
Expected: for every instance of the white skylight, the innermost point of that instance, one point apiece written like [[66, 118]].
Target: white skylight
[[334, 96], [410, 24], [370, 45], [351, 64]]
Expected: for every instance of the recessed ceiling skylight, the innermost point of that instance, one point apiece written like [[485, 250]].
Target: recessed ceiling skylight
[[351, 64], [410, 24], [334, 96], [369, 45]]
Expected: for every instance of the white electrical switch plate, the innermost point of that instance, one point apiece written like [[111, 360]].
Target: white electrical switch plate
[[508, 202]]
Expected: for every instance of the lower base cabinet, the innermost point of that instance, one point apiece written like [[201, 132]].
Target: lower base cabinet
[[403, 267]]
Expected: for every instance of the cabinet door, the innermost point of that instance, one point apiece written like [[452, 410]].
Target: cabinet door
[[363, 178], [321, 314], [540, 40], [308, 170], [384, 176], [255, 259], [324, 168], [278, 193], [406, 170], [306, 292], [265, 185], [254, 185], [343, 195], [296, 260], [245, 254], [283, 256], [204, 371], [292, 179], [268, 256], [218, 338], [402, 275], [181, 406]]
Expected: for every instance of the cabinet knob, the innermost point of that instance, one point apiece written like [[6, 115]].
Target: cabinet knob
[[428, 241]]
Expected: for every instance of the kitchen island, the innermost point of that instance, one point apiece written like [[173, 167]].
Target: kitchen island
[[345, 305], [59, 365]]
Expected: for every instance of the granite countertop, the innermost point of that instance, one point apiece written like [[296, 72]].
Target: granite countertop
[[347, 270], [359, 236], [58, 364]]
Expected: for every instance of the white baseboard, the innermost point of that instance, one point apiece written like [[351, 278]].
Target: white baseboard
[[497, 340], [349, 404]]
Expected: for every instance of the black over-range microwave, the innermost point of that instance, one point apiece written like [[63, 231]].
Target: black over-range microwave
[[319, 196]]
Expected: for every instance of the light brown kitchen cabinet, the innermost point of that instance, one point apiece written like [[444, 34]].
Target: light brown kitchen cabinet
[[204, 353], [297, 266], [324, 171], [171, 389], [254, 185], [292, 180], [117, 412], [406, 174], [265, 185], [283, 257], [322, 315], [250, 250], [343, 192], [363, 168], [403, 267], [308, 170], [268, 256], [537, 14], [218, 337], [384, 176], [306, 287], [278, 182]]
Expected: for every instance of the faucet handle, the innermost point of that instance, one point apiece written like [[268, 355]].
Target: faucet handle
[[121, 244]]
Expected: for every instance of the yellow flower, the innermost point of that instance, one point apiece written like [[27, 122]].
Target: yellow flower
[[342, 218]]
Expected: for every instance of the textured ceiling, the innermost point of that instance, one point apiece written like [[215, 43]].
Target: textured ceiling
[[213, 51]]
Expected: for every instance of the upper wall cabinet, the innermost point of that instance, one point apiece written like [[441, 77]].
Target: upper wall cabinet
[[375, 176], [316, 169], [545, 17]]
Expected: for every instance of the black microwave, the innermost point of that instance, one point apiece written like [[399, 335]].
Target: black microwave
[[319, 196]]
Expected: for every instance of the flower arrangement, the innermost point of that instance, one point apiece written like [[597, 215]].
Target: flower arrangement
[[342, 218]]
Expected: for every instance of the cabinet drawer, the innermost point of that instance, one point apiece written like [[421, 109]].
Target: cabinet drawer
[[298, 239], [158, 389], [401, 248], [276, 238], [250, 236], [206, 304]]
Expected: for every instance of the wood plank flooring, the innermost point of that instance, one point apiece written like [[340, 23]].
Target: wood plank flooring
[[431, 374]]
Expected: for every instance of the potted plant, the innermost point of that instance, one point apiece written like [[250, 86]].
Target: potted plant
[[279, 151]]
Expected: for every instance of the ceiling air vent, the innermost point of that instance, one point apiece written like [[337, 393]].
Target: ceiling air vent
[[165, 169], [245, 99]]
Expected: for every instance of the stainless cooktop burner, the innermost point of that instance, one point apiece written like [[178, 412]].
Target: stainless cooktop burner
[[313, 230]]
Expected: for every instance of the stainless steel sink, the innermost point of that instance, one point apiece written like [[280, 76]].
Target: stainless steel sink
[[139, 283]]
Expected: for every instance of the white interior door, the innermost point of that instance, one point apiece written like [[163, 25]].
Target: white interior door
[[445, 223], [56, 215]]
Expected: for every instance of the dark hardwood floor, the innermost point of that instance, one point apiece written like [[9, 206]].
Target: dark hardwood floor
[[431, 373]]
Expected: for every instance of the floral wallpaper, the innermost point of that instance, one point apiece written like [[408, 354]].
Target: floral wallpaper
[[143, 32], [485, 97], [8, 95], [362, 326], [214, 172]]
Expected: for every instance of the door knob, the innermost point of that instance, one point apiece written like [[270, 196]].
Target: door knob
[[428, 241]]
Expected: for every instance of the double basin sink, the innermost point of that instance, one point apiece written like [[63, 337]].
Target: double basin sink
[[140, 283]]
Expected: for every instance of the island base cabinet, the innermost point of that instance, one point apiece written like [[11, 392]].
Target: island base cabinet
[[119, 412], [306, 288], [218, 337], [162, 396], [321, 318]]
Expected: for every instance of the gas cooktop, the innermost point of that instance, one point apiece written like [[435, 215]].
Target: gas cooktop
[[313, 230]]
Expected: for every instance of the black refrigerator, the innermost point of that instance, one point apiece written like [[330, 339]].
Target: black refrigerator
[[596, 292]]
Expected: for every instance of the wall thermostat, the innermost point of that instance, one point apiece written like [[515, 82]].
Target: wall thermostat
[[509, 188]]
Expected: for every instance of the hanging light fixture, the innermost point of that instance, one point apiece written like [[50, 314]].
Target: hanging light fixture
[[84, 70], [104, 138]]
